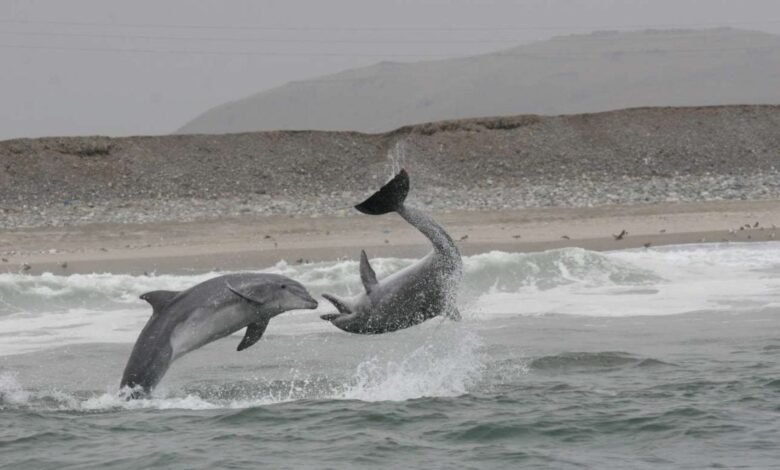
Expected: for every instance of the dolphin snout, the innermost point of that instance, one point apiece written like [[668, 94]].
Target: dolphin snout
[[308, 301]]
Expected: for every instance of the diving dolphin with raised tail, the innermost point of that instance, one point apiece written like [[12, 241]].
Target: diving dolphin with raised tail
[[184, 321], [425, 289]]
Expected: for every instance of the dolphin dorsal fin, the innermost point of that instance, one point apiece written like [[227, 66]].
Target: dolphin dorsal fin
[[340, 305], [159, 299], [367, 274], [254, 331]]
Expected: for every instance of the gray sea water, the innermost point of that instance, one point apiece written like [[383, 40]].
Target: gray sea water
[[660, 358]]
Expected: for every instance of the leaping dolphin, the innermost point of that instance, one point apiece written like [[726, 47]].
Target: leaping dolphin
[[184, 321], [412, 295]]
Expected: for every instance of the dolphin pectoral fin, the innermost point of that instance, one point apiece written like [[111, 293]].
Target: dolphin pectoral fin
[[367, 274], [340, 305], [158, 299], [254, 331], [389, 198], [245, 296]]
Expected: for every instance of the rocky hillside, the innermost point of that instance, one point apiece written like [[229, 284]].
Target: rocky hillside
[[629, 156], [565, 75]]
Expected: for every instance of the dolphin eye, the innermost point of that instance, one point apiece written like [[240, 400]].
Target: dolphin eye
[[284, 286]]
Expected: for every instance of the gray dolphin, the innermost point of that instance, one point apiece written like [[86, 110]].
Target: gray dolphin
[[184, 321], [412, 295]]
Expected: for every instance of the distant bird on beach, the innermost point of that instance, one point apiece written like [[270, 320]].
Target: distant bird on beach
[[566, 237], [620, 235]]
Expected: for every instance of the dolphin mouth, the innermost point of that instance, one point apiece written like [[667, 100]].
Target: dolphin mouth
[[309, 302]]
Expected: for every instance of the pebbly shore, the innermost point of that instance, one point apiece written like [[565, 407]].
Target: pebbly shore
[[635, 156]]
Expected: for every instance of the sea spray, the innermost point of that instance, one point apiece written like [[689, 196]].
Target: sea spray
[[11, 391]]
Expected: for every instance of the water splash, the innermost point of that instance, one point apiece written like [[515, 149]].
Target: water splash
[[447, 363], [11, 391], [397, 157], [446, 367]]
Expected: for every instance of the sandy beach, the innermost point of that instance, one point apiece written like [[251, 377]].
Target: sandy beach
[[253, 242]]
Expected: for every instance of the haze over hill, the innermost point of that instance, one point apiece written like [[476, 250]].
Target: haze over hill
[[564, 75]]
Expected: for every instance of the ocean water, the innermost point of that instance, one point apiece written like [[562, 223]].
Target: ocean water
[[659, 358]]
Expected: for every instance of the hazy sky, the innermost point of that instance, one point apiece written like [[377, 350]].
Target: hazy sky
[[148, 66]]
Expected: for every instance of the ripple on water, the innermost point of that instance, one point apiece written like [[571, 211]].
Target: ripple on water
[[593, 360]]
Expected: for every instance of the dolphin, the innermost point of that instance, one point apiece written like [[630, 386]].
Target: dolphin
[[412, 295], [184, 321]]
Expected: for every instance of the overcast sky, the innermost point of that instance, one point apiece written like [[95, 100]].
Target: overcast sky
[[147, 66]]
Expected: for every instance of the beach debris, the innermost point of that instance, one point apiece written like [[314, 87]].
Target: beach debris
[[620, 235], [5, 260], [267, 237], [566, 237], [663, 230], [742, 228], [25, 267], [102, 248], [518, 236], [755, 225], [302, 261], [647, 245], [387, 241], [464, 237], [64, 265]]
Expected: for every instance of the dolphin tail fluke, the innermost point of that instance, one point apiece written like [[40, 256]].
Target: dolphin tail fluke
[[389, 198]]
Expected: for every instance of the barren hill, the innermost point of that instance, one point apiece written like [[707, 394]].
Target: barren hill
[[565, 75]]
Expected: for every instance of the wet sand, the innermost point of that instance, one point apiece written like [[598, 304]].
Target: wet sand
[[260, 241]]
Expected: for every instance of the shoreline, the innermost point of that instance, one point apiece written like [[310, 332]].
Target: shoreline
[[253, 242]]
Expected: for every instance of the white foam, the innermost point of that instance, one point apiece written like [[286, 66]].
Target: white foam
[[38, 312]]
